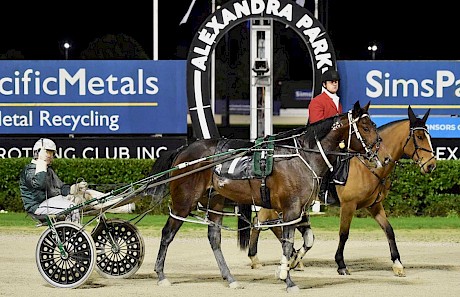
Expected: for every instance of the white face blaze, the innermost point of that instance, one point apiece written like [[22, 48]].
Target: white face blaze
[[427, 135]]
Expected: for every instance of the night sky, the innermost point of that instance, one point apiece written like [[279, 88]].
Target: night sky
[[403, 30]]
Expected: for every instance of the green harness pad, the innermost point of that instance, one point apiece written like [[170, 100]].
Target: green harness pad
[[263, 160]]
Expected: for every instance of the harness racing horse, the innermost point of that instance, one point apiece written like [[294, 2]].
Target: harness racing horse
[[293, 183], [367, 187]]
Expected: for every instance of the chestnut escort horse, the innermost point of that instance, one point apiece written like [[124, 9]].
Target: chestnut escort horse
[[367, 187], [300, 158]]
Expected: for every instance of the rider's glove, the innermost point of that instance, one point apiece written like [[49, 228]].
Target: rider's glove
[[41, 166], [43, 155], [78, 187], [42, 161]]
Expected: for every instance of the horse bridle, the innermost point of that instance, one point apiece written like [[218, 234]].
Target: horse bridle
[[353, 129], [417, 147], [370, 154]]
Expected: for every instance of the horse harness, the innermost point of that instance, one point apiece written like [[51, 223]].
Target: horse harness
[[259, 164]]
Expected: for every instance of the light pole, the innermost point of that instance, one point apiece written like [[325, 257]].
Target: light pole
[[372, 48], [66, 49]]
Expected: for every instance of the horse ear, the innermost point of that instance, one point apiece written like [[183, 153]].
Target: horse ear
[[366, 107], [356, 106], [425, 117], [356, 109], [410, 113]]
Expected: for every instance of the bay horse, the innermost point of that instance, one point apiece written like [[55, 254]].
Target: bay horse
[[367, 187], [292, 184]]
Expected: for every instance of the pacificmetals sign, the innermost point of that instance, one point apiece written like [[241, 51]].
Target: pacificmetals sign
[[92, 97]]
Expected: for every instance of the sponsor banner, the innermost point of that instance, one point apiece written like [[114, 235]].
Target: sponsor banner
[[149, 147], [95, 148], [391, 86], [93, 97], [296, 94], [446, 148], [439, 127]]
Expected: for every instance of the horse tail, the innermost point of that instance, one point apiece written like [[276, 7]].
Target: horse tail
[[244, 225], [162, 164]]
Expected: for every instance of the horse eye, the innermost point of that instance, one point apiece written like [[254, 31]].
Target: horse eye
[[420, 137]]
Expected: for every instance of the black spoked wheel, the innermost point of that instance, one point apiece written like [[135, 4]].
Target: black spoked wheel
[[120, 248], [69, 262]]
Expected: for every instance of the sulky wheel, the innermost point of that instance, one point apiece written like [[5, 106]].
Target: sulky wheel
[[120, 248], [68, 261]]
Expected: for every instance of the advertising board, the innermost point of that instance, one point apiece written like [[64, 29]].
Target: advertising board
[[95, 147], [93, 97], [393, 85]]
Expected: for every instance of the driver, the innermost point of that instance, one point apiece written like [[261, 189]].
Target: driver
[[42, 191]]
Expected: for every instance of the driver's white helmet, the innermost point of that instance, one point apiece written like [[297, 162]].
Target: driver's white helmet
[[43, 143]]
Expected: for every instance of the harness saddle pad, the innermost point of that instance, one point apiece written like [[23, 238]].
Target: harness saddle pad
[[253, 165], [263, 160]]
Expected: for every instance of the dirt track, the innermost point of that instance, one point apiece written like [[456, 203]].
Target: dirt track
[[432, 268]]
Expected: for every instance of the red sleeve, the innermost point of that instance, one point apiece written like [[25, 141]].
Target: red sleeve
[[315, 111]]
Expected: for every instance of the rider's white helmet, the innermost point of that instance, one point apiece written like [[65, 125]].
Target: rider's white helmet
[[43, 143]]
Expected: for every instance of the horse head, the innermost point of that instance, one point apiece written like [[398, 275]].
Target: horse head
[[363, 136], [418, 144]]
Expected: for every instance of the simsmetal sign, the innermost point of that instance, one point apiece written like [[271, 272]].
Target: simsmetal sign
[[93, 97], [393, 85]]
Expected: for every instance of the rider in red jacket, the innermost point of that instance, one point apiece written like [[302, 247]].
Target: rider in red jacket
[[325, 105]]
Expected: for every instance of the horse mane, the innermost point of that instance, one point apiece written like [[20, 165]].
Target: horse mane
[[390, 124], [311, 132]]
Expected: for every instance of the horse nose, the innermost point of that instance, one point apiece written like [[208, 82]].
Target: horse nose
[[428, 169]]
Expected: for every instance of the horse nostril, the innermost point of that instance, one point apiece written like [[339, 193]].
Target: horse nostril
[[430, 168]]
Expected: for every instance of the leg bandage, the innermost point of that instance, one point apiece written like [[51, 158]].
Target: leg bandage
[[284, 267]]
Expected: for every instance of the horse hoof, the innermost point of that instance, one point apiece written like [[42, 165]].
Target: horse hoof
[[399, 273], [398, 269], [256, 266], [235, 285], [343, 271], [164, 283], [255, 262], [293, 289]]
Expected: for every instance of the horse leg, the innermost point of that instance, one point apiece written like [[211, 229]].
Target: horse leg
[[167, 235], [286, 258], [378, 212], [346, 215], [215, 239], [263, 215], [305, 230], [252, 251]]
